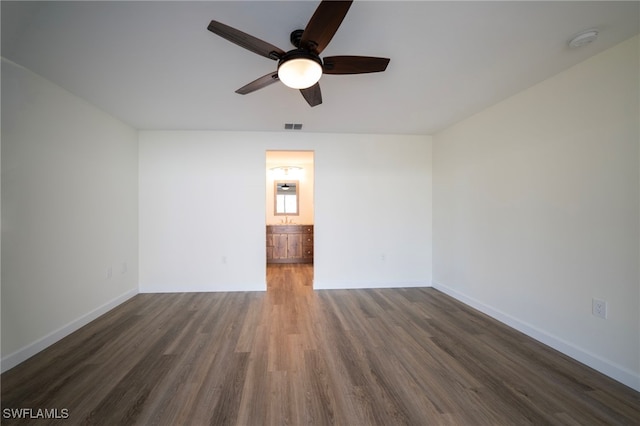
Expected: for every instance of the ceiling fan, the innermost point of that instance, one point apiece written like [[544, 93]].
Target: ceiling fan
[[302, 67]]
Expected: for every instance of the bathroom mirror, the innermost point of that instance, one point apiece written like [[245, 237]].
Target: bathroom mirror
[[286, 198]]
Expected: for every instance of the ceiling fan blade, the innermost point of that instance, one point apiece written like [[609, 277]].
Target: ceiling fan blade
[[354, 64], [312, 95], [259, 83], [323, 24], [245, 40]]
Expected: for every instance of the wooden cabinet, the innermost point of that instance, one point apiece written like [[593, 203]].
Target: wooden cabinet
[[289, 243]]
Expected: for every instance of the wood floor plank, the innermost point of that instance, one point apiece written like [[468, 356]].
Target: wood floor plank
[[295, 356]]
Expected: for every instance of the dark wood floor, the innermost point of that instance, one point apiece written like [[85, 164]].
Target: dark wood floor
[[295, 356]]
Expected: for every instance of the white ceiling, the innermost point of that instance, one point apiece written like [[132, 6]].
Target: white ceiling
[[155, 65]]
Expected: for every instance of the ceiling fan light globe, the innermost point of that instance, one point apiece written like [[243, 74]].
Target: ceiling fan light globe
[[299, 73]]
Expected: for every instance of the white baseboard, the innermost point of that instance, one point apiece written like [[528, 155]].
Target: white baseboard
[[354, 285], [31, 349], [616, 372], [221, 288]]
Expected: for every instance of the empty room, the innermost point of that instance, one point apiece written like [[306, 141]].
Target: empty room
[[320, 212]]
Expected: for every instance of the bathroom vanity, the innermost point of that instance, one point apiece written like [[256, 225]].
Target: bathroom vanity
[[289, 243]]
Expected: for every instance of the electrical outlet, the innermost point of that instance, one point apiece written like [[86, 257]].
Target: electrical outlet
[[109, 272], [599, 308]]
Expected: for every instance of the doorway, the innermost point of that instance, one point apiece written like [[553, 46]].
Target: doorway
[[289, 218]]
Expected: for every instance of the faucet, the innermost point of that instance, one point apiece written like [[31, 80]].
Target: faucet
[[286, 220]]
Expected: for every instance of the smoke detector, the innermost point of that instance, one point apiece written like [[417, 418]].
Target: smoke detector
[[583, 38]]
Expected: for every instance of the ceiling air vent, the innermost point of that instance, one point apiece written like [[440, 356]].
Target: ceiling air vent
[[292, 126]]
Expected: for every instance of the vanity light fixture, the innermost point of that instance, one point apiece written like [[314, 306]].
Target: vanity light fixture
[[286, 169]]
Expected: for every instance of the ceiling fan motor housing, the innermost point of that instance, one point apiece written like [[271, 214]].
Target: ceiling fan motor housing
[[299, 54]]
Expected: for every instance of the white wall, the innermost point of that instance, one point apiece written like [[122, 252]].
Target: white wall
[[69, 213], [536, 211], [197, 234], [377, 231]]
